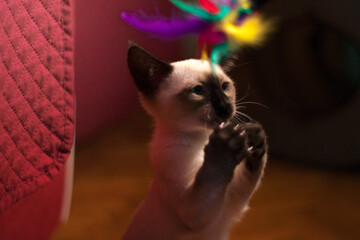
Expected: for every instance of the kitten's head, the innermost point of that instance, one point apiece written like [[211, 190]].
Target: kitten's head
[[182, 94]]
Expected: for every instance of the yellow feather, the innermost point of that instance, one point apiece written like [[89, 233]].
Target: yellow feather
[[204, 55], [251, 32], [245, 4]]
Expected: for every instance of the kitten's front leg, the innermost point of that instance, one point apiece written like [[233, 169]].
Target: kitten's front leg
[[203, 202], [248, 174], [256, 136]]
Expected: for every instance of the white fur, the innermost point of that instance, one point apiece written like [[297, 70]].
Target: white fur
[[177, 153]]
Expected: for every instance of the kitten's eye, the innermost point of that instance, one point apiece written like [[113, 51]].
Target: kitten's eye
[[225, 86], [198, 90]]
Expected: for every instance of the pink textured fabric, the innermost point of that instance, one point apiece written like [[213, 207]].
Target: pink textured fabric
[[36, 94]]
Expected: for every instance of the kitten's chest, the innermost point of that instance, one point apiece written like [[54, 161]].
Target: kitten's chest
[[179, 163], [192, 166]]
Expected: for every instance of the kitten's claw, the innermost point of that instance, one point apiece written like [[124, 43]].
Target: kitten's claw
[[256, 139]]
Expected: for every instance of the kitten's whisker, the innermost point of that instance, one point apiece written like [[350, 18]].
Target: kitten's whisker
[[256, 103], [239, 107], [207, 113], [245, 96], [239, 100], [244, 115], [239, 119], [234, 121]]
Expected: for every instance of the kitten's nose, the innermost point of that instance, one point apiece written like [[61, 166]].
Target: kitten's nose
[[223, 109]]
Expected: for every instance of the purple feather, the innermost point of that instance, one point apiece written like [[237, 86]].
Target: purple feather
[[165, 27]]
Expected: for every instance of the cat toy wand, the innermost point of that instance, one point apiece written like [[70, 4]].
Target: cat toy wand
[[224, 26]]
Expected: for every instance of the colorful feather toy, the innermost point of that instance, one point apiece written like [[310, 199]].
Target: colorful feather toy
[[224, 26]]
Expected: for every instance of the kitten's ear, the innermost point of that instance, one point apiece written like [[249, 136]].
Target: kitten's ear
[[229, 63], [148, 71]]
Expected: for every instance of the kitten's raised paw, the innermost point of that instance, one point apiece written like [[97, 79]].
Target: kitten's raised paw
[[257, 144], [227, 146]]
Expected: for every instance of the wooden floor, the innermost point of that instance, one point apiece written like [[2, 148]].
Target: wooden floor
[[294, 202]]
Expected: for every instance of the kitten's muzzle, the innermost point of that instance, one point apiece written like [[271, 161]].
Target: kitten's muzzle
[[221, 107], [222, 110], [220, 114]]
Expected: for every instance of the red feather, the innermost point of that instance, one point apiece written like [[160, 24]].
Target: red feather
[[209, 6]]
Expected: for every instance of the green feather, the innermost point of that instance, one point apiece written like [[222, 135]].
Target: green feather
[[197, 11]]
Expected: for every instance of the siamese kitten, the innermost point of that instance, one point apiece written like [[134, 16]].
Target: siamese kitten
[[205, 169]]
